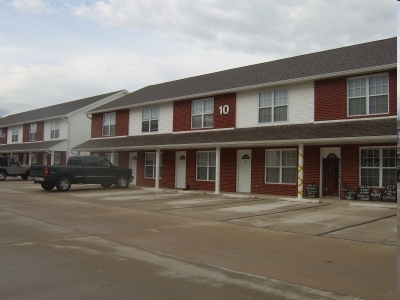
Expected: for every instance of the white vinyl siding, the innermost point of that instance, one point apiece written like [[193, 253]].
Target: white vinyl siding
[[165, 119], [300, 99], [63, 131]]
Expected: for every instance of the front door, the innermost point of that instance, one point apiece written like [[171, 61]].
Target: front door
[[243, 176], [180, 169], [133, 165], [330, 178]]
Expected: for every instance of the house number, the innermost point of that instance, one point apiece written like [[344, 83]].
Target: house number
[[224, 109]]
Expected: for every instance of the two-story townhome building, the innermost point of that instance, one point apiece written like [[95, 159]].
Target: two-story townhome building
[[46, 135], [324, 120]]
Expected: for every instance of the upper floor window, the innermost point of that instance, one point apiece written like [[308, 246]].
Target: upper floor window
[[55, 130], [150, 119], [150, 165], [206, 165], [203, 113], [368, 95], [378, 166], [281, 166], [109, 124], [14, 136], [32, 132], [273, 106]]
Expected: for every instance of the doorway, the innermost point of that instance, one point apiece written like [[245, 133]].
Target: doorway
[[243, 176], [330, 177], [180, 170]]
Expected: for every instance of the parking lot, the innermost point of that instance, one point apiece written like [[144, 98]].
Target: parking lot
[[337, 246]]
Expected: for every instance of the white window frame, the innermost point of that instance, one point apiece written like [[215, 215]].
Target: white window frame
[[281, 167], [208, 166], [14, 134], [273, 106], [115, 160], [367, 95], [34, 158], [149, 115], [32, 132], [55, 130], [380, 167], [57, 159], [203, 113], [109, 121], [153, 164]]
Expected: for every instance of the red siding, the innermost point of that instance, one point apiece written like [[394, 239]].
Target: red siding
[[40, 131], [25, 133], [121, 124], [182, 113], [331, 99]]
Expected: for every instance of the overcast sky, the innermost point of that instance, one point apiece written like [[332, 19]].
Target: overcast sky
[[58, 51]]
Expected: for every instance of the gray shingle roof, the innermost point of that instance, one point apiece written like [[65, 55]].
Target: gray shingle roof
[[334, 130], [51, 111], [36, 146], [356, 57]]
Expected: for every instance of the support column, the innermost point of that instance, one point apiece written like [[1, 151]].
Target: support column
[[30, 158], [51, 158], [300, 172], [217, 169], [157, 179], [112, 157]]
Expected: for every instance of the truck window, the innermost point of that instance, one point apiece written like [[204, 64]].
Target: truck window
[[90, 161], [75, 162], [103, 162], [4, 162]]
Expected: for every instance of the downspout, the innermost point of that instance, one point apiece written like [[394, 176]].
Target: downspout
[[68, 136]]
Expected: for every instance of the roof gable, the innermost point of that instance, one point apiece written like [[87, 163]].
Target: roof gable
[[356, 57], [61, 109]]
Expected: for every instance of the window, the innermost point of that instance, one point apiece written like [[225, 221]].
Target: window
[[378, 166], [206, 165], [14, 136], [150, 165], [203, 113], [34, 159], [281, 166], [57, 159], [108, 156], [55, 130], [109, 124], [32, 132], [368, 95], [273, 106], [150, 119]]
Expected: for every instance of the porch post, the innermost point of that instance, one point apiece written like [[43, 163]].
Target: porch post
[[51, 158], [30, 158], [112, 156], [157, 179], [217, 169], [300, 172]]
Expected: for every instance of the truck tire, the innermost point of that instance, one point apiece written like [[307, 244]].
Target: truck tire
[[25, 176], [47, 186], [63, 184], [3, 175], [122, 182], [106, 185]]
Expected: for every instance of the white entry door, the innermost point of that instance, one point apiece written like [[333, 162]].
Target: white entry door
[[243, 177], [133, 165], [180, 169]]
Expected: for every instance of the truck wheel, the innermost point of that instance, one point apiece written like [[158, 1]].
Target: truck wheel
[[122, 182], [106, 185], [47, 186], [63, 184], [24, 177], [3, 175]]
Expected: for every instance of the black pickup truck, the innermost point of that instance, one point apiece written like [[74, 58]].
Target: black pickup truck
[[81, 169]]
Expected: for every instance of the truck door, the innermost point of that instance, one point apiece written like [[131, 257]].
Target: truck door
[[105, 172], [14, 167]]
